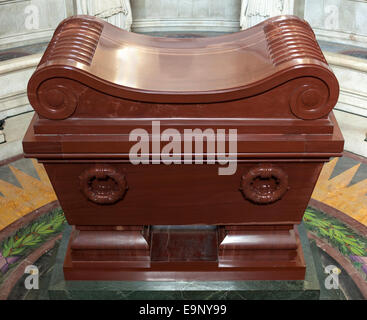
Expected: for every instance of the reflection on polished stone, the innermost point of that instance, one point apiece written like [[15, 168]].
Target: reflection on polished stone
[[184, 243]]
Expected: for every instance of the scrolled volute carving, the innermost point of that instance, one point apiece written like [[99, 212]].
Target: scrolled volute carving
[[103, 184], [57, 99], [264, 184], [310, 100]]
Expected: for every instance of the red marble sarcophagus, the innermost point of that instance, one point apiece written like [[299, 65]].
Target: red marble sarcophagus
[[267, 90]]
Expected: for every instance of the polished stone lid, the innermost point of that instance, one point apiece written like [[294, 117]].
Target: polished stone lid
[[96, 83], [154, 69]]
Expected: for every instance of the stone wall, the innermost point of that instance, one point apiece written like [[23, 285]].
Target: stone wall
[[25, 22], [341, 21], [187, 15]]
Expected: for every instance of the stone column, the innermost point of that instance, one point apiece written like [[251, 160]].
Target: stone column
[[116, 12], [256, 11]]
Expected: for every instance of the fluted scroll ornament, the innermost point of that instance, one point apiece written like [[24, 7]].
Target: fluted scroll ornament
[[103, 184], [264, 184]]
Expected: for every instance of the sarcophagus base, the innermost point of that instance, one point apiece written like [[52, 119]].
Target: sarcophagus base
[[186, 253], [309, 288]]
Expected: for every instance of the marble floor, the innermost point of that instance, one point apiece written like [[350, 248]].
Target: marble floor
[[343, 185], [24, 187]]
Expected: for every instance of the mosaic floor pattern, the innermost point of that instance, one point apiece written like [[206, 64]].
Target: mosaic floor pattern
[[24, 187], [343, 185]]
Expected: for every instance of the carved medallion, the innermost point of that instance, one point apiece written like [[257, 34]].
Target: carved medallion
[[264, 184], [103, 184]]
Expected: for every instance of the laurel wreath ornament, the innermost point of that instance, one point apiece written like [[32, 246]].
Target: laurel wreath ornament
[[340, 236], [29, 238]]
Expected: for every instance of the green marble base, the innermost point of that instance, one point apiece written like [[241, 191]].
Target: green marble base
[[227, 290]]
